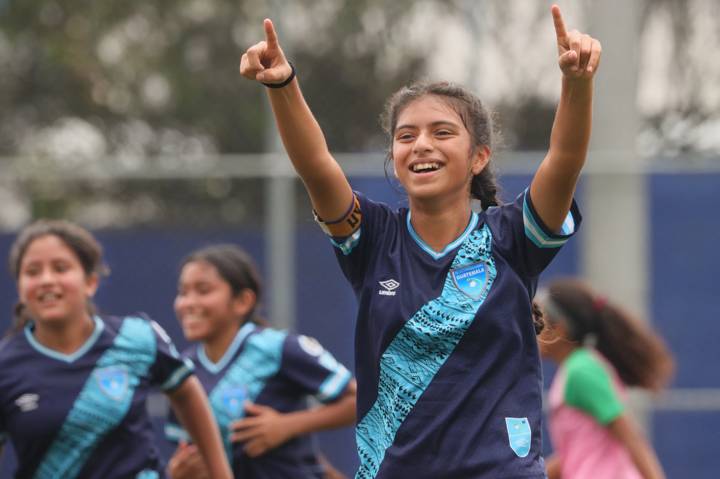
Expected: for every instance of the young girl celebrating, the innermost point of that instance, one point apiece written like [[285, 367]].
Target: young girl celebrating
[[73, 385], [446, 357], [600, 350], [258, 379]]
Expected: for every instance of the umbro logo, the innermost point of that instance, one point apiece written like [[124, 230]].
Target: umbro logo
[[27, 402], [389, 285]]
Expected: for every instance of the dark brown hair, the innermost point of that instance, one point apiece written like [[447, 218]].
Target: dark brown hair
[[638, 354], [236, 268], [80, 241], [476, 118]]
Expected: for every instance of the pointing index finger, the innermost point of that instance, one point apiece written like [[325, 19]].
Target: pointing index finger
[[560, 30], [270, 35]]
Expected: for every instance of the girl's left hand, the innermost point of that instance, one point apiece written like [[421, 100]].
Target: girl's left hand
[[579, 53], [262, 430]]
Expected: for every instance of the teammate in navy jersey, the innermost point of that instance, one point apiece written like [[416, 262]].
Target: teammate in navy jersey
[[73, 384], [446, 357], [258, 379]]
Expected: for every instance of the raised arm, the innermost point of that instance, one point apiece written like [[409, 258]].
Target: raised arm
[[554, 183], [191, 406], [304, 141]]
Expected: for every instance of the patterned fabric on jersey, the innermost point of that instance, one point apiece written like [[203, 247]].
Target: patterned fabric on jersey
[[585, 396], [445, 350], [275, 369], [83, 415]]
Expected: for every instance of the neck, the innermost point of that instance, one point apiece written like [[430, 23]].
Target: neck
[[65, 337], [438, 226], [217, 346]]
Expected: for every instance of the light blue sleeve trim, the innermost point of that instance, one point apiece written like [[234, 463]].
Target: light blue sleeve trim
[[539, 236], [175, 433], [349, 244], [334, 385], [179, 375]]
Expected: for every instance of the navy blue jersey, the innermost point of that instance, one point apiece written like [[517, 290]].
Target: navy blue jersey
[[449, 378], [275, 369], [83, 415]]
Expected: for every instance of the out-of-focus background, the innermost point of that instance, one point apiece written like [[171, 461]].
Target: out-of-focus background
[[131, 119]]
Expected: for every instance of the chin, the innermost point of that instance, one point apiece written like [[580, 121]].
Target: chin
[[194, 334]]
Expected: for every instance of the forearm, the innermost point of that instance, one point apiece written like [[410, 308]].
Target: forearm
[[191, 407], [329, 416], [645, 459], [640, 451], [570, 135], [305, 144], [553, 187]]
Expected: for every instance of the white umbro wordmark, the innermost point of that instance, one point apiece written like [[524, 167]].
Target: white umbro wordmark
[[27, 402], [390, 286]]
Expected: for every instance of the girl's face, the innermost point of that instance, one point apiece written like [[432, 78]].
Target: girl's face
[[205, 305], [52, 283], [433, 151]]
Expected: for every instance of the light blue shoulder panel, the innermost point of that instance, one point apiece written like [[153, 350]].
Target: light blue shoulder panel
[[259, 360], [103, 402], [407, 366]]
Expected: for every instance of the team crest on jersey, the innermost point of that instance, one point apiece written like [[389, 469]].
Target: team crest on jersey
[[114, 381], [233, 399], [519, 435], [471, 280]]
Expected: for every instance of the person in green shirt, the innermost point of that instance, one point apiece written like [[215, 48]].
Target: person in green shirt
[[600, 349]]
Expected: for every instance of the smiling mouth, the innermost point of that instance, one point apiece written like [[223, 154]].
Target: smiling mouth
[[425, 167], [48, 298]]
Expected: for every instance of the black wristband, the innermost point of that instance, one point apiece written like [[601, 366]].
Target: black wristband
[[286, 82]]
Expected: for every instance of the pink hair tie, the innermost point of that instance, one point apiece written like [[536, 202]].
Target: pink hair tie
[[599, 303]]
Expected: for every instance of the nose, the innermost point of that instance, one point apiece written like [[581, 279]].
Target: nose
[[423, 143], [47, 276]]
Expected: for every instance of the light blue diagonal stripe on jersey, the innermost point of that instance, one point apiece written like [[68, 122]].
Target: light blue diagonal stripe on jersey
[[95, 411], [407, 368], [258, 361]]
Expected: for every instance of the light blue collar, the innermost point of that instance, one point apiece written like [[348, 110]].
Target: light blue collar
[[68, 358], [454, 244], [214, 368]]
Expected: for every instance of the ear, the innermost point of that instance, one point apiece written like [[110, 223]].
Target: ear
[[91, 285], [244, 302], [480, 159]]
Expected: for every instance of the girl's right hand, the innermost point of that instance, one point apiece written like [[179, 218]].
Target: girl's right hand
[[265, 61]]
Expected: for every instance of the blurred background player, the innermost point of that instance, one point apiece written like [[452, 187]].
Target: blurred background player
[[73, 384], [446, 356], [600, 350], [258, 379]]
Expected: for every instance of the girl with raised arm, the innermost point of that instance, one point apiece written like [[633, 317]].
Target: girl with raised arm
[[446, 357]]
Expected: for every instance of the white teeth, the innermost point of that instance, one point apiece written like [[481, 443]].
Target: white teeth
[[430, 166], [49, 296]]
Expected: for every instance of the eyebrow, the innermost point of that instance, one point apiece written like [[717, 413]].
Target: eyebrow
[[435, 123]]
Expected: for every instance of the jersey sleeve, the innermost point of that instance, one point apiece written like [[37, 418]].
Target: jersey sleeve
[[522, 238], [589, 388], [354, 235], [313, 369], [170, 369]]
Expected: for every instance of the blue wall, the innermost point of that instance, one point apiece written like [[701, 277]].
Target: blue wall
[[144, 267]]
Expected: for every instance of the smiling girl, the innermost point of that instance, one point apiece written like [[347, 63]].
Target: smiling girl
[[446, 358], [258, 379], [73, 384]]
